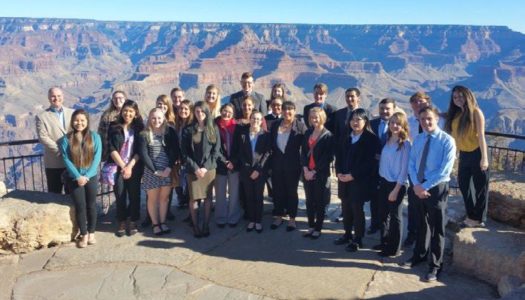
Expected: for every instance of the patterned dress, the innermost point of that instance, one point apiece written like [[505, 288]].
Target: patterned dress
[[160, 161]]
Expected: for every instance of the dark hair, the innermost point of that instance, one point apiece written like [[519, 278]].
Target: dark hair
[[288, 105], [175, 89], [363, 114], [180, 122], [137, 124], [353, 89], [230, 105], [246, 75], [81, 152], [209, 129], [278, 86], [466, 113], [429, 108], [323, 87], [387, 101], [421, 95]]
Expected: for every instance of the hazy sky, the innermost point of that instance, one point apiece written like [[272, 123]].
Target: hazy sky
[[463, 12]]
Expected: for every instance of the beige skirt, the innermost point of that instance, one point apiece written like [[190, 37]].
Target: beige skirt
[[201, 188]]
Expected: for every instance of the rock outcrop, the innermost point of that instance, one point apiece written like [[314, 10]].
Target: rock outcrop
[[3, 189], [35, 220], [507, 202]]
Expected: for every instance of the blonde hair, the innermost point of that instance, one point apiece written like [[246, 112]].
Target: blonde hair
[[215, 108], [149, 129], [169, 115], [404, 133], [320, 112]]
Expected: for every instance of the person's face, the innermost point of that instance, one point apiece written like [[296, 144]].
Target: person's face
[[315, 119], [394, 125], [458, 99], [80, 122], [319, 96], [156, 119], [247, 107], [386, 111], [184, 111], [200, 115], [128, 114], [288, 114], [357, 124], [227, 113], [56, 98], [177, 97], [247, 84], [256, 120], [277, 92], [352, 100], [428, 121], [163, 106], [277, 107], [211, 96], [118, 100]]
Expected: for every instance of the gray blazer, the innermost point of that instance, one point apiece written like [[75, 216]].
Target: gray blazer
[[49, 131]]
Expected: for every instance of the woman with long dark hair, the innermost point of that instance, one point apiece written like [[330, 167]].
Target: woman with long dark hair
[[184, 118], [201, 149], [81, 150], [123, 150], [110, 115], [466, 123], [356, 161]]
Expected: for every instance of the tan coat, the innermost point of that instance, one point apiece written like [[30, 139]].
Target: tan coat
[[49, 131]]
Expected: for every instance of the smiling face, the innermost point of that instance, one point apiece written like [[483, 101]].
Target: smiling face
[[315, 119], [80, 122], [256, 120], [428, 120], [459, 99], [247, 85], [319, 96], [226, 113], [352, 100], [177, 97], [211, 96], [200, 115], [357, 124], [118, 100], [56, 98], [277, 106], [184, 111], [288, 113], [162, 106], [394, 125], [277, 92], [386, 110], [156, 119], [247, 107], [128, 114]]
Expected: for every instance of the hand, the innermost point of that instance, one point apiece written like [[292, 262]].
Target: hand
[[392, 196], [308, 175], [484, 164], [82, 181], [166, 172], [254, 175], [420, 192], [229, 165], [126, 172]]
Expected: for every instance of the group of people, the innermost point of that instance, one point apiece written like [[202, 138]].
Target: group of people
[[238, 148]]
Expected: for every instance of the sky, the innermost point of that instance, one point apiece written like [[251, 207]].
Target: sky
[[509, 13]]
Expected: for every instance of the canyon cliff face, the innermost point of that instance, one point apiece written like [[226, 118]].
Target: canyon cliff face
[[89, 58]]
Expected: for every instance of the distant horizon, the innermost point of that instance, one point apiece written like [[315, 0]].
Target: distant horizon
[[327, 12]]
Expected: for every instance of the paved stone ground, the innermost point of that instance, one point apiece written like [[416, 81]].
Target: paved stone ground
[[230, 264]]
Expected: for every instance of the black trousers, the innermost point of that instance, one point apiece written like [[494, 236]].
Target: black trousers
[[375, 217], [317, 193], [474, 185], [285, 198], [85, 198], [127, 194], [253, 190], [391, 215], [54, 180], [413, 211], [352, 206], [431, 230]]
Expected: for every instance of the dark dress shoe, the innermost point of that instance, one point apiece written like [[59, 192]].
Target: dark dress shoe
[[352, 247], [379, 247], [341, 240], [250, 227], [276, 225], [412, 262], [258, 228], [308, 233], [388, 254], [432, 275]]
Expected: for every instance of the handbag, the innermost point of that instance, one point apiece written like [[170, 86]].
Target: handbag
[[108, 173]]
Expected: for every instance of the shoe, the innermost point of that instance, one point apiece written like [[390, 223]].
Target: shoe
[[232, 225], [315, 235], [121, 231], [132, 230], [432, 276], [342, 240], [372, 230], [409, 241], [276, 223], [258, 227], [388, 254], [170, 216], [378, 247], [91, 239], [412, 262], [164, 228], [352, 247], [221, 225], [250, 227], [196, 232], [338, 219], [308, 233], [291, 226], [157, 230], [146, 222], [82, 241]]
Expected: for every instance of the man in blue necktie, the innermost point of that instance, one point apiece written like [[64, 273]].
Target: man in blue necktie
[[429, 167]]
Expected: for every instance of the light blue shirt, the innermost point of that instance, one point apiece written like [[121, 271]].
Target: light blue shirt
[[75, 172], [393, 165], [60, 115], [440, 159]]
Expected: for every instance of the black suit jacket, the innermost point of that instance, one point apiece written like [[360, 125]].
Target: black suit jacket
[[323, 152], [210, 150], [339, 124], [374, 124], [250, 161], [328, 109], [116, 141], [270, 119], [291, 158], [259, 103]]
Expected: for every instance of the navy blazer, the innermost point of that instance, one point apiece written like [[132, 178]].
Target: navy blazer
[[211, 151], [291, 158], [258, 103]]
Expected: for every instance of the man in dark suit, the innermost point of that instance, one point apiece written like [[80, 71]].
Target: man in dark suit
[[379, 126], [341, 116], [320, 94], [247, 84]]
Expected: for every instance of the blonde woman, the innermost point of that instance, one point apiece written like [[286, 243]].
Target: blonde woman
[[212, 97]]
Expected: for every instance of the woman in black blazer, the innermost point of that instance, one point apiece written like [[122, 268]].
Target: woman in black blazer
[[356, 162], [254, 151], [200, 149], [316, 156], [287, 136]]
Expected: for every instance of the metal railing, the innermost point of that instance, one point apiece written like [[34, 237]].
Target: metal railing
[[504, 158]]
